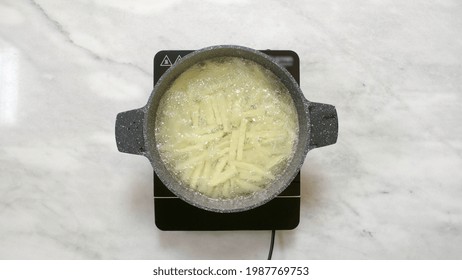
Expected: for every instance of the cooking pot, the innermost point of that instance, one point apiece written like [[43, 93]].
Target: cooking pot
[[135, 130]]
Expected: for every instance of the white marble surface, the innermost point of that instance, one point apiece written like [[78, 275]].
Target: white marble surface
[[391, 188]]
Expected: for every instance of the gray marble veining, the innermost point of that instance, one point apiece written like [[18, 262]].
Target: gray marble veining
[[390, 188]]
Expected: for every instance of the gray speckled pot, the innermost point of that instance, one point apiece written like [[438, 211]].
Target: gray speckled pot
[[318, 126]]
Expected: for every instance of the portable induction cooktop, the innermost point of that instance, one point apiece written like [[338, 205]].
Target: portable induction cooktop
[[172, 213]]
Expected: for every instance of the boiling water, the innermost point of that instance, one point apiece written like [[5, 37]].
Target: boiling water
[[226, 127]]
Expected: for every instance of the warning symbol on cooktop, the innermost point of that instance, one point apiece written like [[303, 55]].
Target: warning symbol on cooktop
[[177, 59], [166, 62]]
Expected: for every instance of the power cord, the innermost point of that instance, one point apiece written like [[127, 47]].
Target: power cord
[[270, 253]]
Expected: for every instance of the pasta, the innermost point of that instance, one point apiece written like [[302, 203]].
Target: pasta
[[226, 127]]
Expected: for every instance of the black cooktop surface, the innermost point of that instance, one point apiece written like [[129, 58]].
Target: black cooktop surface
[[172, 213]]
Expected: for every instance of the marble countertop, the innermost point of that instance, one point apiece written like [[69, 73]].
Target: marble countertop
[[391, 188]]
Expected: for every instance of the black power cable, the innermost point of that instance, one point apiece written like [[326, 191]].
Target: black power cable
[[270, 253]]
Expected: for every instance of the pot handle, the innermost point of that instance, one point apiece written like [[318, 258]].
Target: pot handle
[[129, 132], [323, 124]]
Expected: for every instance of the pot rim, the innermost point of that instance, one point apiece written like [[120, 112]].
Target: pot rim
[[240, 203]]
